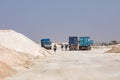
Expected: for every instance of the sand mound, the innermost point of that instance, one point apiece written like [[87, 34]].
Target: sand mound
[[5, 70], [16, 41], [115, 49]]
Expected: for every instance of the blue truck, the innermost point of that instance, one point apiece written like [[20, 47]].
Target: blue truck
[[85, 43], [46, 43], [73, 43]]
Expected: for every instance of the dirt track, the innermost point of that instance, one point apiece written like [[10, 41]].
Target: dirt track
[[73, 65]]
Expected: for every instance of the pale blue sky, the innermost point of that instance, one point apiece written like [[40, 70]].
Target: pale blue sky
[[59, 19]]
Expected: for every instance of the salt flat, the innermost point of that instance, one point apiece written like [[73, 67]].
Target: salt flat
[[73, 65]]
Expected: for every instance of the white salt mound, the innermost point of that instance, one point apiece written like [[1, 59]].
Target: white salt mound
[[115, 49], [5, 70], [16, 41], [12, 57]]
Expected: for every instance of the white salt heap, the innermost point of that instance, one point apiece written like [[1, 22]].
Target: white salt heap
[[10, 58], [17, 50], [18, 42], [5, 70]]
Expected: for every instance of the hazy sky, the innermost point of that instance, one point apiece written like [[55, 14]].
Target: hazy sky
[[59, 19]]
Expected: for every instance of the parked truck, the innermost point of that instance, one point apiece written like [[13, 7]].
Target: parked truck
[[85, 43], [73, 43], [46, 43]]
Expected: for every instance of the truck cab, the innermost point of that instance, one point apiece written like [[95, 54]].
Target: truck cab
[[85, 43], [46, 43], [73, 43]]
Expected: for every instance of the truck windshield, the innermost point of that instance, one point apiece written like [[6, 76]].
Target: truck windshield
[[48, 43]]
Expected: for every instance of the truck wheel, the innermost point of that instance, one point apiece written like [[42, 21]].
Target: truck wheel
[[89, 48], [80, 48]]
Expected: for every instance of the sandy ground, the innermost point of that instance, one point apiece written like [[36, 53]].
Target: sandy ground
[[73, 65]]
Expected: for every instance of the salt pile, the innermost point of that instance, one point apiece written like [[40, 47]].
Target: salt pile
[[5, 70], [115, 49], [16, 41], [17, 50], [10, 58]]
